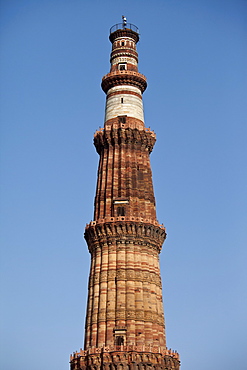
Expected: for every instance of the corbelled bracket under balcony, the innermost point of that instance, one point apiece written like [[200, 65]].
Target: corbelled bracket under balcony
[[124, 77]]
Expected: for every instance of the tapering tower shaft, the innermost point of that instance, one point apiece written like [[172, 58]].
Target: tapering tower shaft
[[127, 298], [125, 309], [124, 184]]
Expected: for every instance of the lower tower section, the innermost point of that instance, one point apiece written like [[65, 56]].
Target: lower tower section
[[125, 297]]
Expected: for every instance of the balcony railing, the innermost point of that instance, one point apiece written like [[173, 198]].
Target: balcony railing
[[124, 26]]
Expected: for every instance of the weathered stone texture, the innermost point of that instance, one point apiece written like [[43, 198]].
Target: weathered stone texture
[[125, 358], [125, 327]]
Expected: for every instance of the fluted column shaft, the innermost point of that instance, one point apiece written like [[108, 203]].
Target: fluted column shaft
[[125, 327], [125, 283]]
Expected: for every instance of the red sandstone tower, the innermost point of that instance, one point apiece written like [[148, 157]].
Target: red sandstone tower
[[125, 327]]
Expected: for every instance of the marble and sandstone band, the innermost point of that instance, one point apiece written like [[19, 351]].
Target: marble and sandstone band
[[125, 325]]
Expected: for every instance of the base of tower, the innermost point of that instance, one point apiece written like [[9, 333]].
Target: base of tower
[[125, 358]]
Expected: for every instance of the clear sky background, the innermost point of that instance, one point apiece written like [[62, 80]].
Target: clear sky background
[[53, 56]]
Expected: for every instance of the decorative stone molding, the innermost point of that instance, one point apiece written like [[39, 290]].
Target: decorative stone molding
[[142, 138], [124, 78], [125, 358], [124, 59], [118, 53], [125, 231]]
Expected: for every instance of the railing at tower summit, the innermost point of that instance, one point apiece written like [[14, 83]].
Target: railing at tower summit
[[124, 26]]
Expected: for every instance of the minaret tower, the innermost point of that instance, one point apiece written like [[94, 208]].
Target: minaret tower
[[125, 327]]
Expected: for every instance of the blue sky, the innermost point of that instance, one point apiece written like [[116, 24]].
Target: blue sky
[[53, 56]]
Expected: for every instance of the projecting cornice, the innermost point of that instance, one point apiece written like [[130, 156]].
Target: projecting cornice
[[125, 230], [124, 78], [143, 138]]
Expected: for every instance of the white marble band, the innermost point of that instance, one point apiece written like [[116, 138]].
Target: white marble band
[[124, 104]]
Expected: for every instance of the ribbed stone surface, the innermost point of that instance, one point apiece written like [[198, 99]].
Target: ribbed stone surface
[[125, 326], [125, 358]]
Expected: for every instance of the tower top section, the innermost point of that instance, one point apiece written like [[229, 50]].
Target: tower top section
[[124, 29], [124, 61]]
